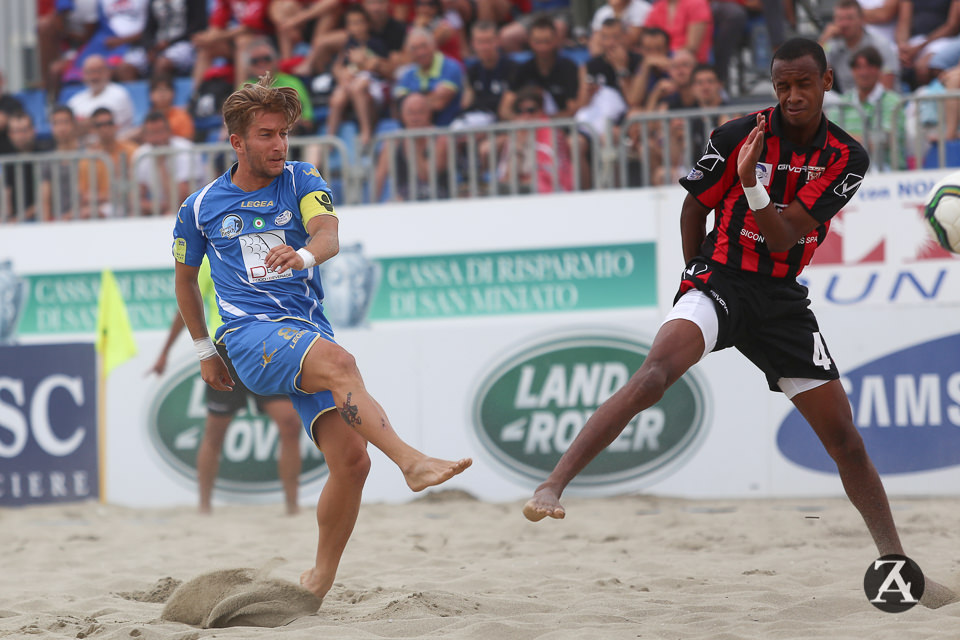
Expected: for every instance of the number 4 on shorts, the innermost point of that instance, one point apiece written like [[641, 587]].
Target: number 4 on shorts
[[820, 356]]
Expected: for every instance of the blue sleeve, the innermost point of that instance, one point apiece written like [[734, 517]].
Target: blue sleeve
[[452, 74], [406, 84], [189, 243], [308, 180], [313, 195]]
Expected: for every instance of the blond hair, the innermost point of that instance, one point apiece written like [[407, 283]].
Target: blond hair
[[246, 103]]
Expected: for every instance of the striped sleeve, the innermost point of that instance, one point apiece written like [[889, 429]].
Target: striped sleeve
[[716, 171], [824, 197]]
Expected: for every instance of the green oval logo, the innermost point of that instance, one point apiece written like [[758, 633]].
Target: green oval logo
[[531, 408], [248, 462]]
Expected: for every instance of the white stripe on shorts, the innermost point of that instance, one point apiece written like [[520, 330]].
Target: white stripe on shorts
[[696, 307], [793, 386]]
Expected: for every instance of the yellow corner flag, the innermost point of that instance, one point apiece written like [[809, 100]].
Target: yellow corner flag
[[115, 341]]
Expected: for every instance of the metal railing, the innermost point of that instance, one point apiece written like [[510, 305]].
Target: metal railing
[[645, 142], [510, 158], [925, 120], [56, 187]]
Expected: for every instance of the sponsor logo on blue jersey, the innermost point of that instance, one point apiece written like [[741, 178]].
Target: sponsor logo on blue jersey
[[231, 226]]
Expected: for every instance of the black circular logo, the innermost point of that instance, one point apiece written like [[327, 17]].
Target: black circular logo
[[893, 583]]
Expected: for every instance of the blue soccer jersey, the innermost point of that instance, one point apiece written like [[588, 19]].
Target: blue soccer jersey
[[236, 229]]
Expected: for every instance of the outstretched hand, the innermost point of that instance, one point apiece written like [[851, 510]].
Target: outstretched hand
[[750, 153]]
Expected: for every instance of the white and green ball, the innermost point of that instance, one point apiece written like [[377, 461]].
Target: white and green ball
[[942, 212]]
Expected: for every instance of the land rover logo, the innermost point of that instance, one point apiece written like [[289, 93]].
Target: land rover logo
[[249, 460], [532, 406]]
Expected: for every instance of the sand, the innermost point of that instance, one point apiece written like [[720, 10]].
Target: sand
[[447, 566]]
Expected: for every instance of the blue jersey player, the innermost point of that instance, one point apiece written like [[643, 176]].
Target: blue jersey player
[[264, 225]]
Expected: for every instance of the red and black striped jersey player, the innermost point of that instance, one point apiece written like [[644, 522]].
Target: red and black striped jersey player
[[774, 179]]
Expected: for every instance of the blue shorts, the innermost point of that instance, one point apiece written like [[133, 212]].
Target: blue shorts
[[268, 356]]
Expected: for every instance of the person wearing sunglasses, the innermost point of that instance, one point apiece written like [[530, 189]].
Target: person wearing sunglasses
[[261, 59], [104, 129], [537, 152]]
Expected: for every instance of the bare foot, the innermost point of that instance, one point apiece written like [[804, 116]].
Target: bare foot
[[935, 595], [314, 582], [293, 509], [428, 472], [205, 510], [544, 502]]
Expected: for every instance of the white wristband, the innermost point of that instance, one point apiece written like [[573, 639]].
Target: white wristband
[[205, 348], [757, 197], [309, 259]]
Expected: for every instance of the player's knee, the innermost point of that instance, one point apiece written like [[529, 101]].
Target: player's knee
[[847, 446], [353, 465], [289, 428], [647, 386], [342, 365]]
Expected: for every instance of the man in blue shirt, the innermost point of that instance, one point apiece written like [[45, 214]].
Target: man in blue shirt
[[433, 74], [264, 225]]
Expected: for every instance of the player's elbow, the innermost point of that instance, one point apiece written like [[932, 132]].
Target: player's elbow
[[779, 245], [333, 246]]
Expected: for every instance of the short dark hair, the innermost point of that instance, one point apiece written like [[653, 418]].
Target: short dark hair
[[544, 22], [156, 116], [612, 22], [704, 67], [483, 25], [848, 4], [62, 108], [357, 9], [529, 93], [161, 81], [656, 31], [870, 55], [20, 114], [796, 48], [101, 111]]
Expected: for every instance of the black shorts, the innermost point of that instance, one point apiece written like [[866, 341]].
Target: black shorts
[[230, 402], [767, 319]]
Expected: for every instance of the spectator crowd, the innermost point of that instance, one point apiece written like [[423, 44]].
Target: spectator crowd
[[376, 65]]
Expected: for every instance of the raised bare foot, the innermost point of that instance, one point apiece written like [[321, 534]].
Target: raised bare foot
[[935, 595], [544, 502], [314, 582], [428, 472]]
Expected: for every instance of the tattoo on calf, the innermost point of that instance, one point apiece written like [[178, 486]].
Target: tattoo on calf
[[350, 412]]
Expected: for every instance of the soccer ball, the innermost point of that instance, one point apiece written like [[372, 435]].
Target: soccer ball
[[942, 212]]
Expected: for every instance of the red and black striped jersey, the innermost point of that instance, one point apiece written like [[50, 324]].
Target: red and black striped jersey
[[822, 176]]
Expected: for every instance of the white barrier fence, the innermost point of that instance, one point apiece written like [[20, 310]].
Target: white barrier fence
[[493, 329]]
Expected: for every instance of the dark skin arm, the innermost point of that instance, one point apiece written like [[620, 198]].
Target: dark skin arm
[[693, 227], [781, 230]]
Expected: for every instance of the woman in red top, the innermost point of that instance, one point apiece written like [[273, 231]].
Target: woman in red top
[[689, 23]]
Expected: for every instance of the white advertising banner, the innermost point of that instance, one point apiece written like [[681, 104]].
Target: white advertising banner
[[494, 328]]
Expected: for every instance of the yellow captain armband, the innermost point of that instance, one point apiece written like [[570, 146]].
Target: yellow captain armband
[[315, 203]]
